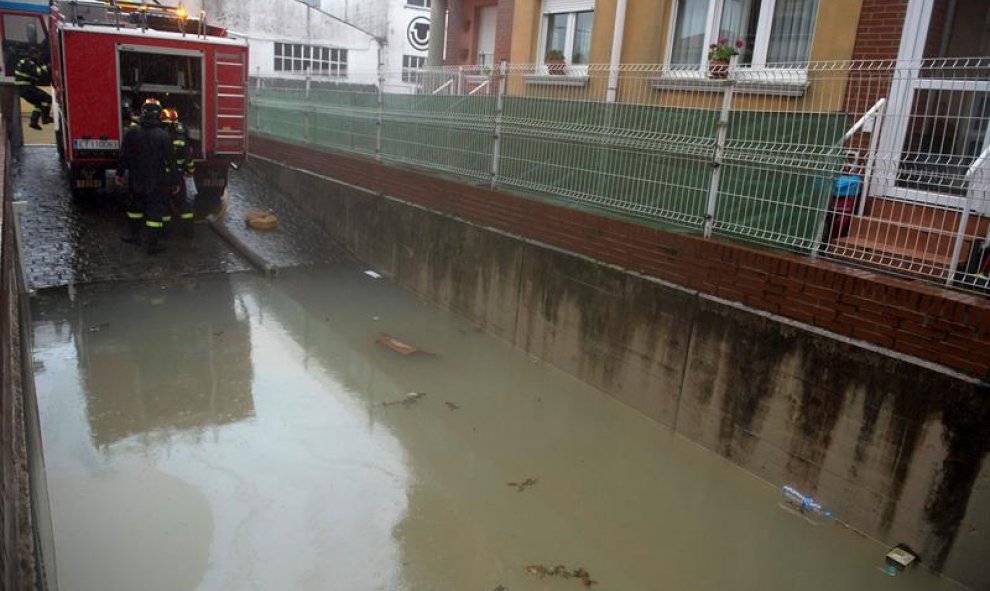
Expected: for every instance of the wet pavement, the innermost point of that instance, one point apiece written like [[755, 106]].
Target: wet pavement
[[297, 240], [67, 242], [233, 432]]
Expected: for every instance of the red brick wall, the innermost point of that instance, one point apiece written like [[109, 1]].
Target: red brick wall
[[880, 25], [503, 34], [942, 326], [462, 31]]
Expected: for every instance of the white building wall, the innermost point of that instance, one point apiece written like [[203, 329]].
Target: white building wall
[[265, 22]]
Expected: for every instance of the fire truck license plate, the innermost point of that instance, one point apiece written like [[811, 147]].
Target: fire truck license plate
[[95, 144]]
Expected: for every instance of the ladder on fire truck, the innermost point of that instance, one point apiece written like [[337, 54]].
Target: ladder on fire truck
[[231, 104]]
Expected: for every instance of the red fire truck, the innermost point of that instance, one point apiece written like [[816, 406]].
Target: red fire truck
[[109, 57]]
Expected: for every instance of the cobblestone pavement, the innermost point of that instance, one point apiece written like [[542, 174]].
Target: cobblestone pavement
[[68, 242]]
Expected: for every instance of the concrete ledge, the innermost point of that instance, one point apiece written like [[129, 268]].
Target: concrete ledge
[[795, 88], [557, 80]]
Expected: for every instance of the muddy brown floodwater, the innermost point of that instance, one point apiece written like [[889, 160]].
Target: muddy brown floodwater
[[232, 432]]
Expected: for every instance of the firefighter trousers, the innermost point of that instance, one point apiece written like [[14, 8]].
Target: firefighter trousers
[[180, 206], [148, 206], [40, 100]]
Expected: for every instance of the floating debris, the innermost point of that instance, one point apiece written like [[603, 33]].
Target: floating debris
[[410, 399], [99, 327], [794, 501], [373, 274], [538, 570], [521, 486], [899, 558], [398, 346], [501, 588], [452, 406]]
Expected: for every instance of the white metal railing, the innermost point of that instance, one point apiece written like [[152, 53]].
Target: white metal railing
[[753, 155]]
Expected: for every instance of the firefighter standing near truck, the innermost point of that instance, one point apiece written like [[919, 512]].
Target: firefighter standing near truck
[[185, 166], [146, 156], [29, 74]]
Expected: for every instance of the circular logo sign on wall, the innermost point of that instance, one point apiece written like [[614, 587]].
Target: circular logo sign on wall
[[419, 33]]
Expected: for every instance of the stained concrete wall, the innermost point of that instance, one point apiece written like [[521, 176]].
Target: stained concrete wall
[[18, 566], [896, 449]]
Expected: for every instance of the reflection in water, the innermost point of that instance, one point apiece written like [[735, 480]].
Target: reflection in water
[[244, 419], [165, 359]]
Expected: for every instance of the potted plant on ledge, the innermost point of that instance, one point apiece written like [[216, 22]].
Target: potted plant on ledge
[[555, 62], [719, 56]]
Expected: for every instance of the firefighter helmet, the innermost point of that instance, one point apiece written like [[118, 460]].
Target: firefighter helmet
[[170, 116], [151, 107]]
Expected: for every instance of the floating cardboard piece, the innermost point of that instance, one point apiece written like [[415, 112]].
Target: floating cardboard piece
[[397, 345]]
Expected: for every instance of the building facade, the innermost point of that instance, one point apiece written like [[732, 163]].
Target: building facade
[[329, 40]]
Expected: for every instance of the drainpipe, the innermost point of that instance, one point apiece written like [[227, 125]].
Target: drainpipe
[[617, 36], [438, 32]]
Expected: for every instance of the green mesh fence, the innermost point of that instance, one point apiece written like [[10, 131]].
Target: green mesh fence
[[651, 162]]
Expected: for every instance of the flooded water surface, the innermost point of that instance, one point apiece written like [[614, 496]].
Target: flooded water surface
[[239, 433]]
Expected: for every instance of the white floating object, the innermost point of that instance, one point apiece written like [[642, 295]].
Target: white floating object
[[373, 274], [899, 558]]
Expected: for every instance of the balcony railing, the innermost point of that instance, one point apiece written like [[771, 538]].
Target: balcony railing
[[878, 164]]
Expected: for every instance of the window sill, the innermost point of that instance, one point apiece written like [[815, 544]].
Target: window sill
[[572, 80], [788, 88]]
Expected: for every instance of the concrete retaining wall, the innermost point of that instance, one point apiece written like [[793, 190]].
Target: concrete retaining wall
[[896, 449], [18, 569]]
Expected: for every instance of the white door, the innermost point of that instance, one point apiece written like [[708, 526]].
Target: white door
[[487, 21], [940, 106]]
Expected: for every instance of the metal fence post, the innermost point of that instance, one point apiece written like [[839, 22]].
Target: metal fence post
[[381, 104], [497, 136], [718, 156], [871, 157], [460, 80], [308, 113]]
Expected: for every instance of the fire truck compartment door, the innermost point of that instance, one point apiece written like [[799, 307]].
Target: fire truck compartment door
[[231, 103]]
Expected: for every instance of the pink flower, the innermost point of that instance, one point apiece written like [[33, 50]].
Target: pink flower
[[723, 40], [712, 46], [740, 43]]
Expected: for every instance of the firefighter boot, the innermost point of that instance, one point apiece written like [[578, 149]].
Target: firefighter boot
[[46, 118], [188, 228], [35, 117], [133, 235], [153, 245]]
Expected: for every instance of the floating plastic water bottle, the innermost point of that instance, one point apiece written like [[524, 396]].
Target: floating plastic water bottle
[[793, 500]]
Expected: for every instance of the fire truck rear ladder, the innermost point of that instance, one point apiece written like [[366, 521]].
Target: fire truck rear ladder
[[230, 111]]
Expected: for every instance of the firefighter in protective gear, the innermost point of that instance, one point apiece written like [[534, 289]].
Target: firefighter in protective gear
[[179, 202], [29, 74], [147, 158]]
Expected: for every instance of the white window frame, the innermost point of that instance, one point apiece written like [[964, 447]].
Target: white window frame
[[304, 54], [411, 66], [760, 50], [571, 10]]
